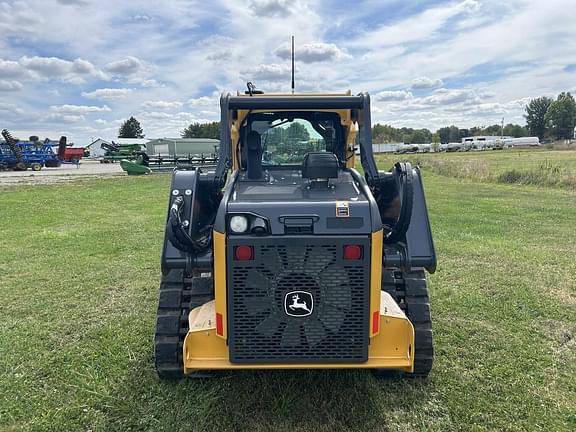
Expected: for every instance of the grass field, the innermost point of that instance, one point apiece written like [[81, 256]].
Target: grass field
[[78, 292], [524, 166]]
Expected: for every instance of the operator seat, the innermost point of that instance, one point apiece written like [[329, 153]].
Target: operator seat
[[319, 168]]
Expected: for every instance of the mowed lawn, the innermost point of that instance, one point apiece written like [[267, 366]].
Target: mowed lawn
[[78, 290]]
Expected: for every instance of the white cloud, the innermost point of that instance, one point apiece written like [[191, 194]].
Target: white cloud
[[128, 66], [267, 72], [73, 2], [19, 12], [11, 69], [10, 85], [141, 18], [311, 53], [64, 118], [161, 105], [10, 108], [426, 83], [486, 59], [108, 93], [155, 115], [271, 8], [219, 56], [149, 83], [450, 96], [78, 109], [203, 101], [46, 66], [84, 67], [394, 95], [416, 27]]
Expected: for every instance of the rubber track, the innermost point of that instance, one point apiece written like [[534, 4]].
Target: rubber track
[[178, 295], [410, 291]]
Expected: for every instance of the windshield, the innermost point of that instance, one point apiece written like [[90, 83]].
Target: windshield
[[286, 141]]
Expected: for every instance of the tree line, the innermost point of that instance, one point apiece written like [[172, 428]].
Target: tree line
[[389, 134], [553, 119], [545, 117], [380, 133]]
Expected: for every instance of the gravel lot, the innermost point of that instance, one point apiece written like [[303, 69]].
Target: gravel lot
[[86, 169]]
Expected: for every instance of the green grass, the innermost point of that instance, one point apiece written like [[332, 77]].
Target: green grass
[[549, 168], [78, 291]]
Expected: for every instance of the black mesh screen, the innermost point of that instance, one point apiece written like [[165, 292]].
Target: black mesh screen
[[298, 300]]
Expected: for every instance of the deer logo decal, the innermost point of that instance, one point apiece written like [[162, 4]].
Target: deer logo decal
[[298, 303]]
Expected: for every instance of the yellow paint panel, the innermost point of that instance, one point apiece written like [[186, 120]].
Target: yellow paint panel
[[352, 131], [220, 279], [391, 349], [375, 276]]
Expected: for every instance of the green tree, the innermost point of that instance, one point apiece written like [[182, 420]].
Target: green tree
[[454, 134], [202, 130], [274, 137], [297, 132], [515, 130], [444, 134], [492, 130], [561, 116], [536, 116], [475, 131], [131, 129], [421, 136]]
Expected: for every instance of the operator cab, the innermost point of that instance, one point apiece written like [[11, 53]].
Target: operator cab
[[294, 163], [279, 140]]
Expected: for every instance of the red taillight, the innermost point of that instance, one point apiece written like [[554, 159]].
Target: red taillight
[[352, 252], [219, 325], [243, 253], [376, 322]]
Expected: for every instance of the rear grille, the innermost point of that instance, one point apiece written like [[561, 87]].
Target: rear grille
[[307, 278]]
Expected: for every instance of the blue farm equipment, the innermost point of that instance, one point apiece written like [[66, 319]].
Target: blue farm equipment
[[21, 155]]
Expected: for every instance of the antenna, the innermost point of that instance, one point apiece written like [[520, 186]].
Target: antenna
[[292, 64]]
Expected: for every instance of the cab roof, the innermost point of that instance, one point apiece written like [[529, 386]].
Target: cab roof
[[279, 101]]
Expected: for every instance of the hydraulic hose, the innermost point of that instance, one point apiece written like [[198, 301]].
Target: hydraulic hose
[[404, 179], [178, 230]]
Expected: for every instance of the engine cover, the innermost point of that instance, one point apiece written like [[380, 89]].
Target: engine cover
[[298, 300], [340, 206]]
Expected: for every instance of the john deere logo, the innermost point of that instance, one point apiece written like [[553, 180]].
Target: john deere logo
[[298, 303]]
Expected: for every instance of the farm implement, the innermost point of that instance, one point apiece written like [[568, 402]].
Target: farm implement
[[22, 155]]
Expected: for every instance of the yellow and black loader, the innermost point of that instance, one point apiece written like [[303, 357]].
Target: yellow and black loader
[[284, 256]]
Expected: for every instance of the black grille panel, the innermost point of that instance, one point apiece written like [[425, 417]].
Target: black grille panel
[[333, 328]]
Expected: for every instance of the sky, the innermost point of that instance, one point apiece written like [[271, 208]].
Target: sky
[[81, 67]]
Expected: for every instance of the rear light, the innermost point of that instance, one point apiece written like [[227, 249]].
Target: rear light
[[376, 322], [352, 252], [219, 325], [243, 253]]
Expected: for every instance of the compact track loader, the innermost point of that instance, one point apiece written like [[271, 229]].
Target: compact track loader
[[285, 256]]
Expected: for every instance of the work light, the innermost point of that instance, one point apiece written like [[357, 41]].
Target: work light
[[238, 224]]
